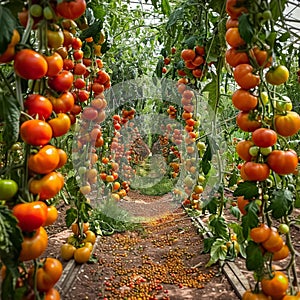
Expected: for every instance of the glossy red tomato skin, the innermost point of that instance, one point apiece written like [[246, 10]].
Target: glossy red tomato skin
[[245, 122], [244, 76], [283, 162], [255, 171], [36, 132], [31, 215], [264, 137], [62, 82], [29, 64], [71, 9], [38, 105]]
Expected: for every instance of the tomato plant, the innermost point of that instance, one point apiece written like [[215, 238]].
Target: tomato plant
[[287, 124], [278, 75], [61, 82], [38, 105], [244, 76], [60, 125], [71, 10], [263, 137], [62, 104], [82, 255]]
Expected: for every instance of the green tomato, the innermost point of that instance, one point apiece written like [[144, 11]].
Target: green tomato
[[284, 105], [277, 75], [201, 146], [283, 228], [265, 151], [267, 15], [8, 188], [253, 151], [36, 10], [264, 97], [48, 14]]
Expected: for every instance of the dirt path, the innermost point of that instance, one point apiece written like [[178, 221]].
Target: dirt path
[[155, 263]]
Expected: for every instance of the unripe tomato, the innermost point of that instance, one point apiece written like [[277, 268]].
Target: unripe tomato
[[36, 132], [248, 295], [55, 38], [67, 251], [52, 294], [82, 255], [281, 254], [278, 75], [90, 237], [9, 53], [8, 189], [31, 215], [287, 124], [29, 64]]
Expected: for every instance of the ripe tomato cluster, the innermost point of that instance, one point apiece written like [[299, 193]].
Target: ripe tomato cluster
[[268, 120]]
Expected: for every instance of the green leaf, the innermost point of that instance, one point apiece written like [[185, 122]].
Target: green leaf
[[281, 203], [191, 41], [10, 247], [284, 37], [175, 16], [10, 113], [234, 210], [219, 227], [245, 28], [92, 31], [154, 3], [275, 6], [208, 242], [250, 220], [248, 189], [211, 205], [218, 252], [211, 89], [233, 178], [71, 216], [254, 257], [165, 7], [7, 25], [158, 69]]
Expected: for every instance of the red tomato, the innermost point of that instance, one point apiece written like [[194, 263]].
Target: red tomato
[[36, 132], [235, 8], [60, 125], [244, 77], [34, 246], [29, 64], [242, 149], [44, 161], [71, 9], [244, 100], [234, 57], [38, 105], [263, 137], [283, 162], [62, 82], [31, 215], [62, 104], [52, 294], [253, 171], [63, 158], [246, 123]]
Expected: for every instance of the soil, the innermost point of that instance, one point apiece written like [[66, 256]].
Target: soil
[[164, 260]]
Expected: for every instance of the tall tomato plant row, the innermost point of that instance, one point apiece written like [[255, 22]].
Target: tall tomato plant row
[[47, 81], [266, 192]]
